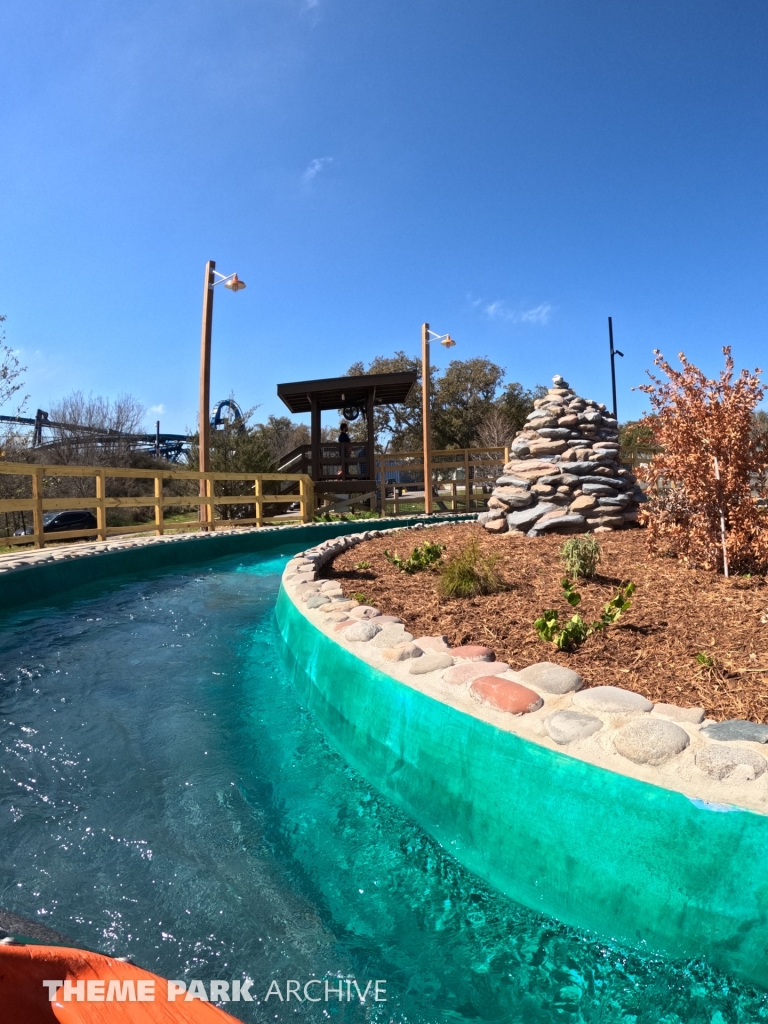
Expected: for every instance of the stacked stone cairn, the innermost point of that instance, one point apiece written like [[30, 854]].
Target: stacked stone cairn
[[565, 475]]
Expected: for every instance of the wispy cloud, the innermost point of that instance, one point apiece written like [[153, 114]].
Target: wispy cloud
[[500, 310], [537, 315], [315, 167], [157, 408]]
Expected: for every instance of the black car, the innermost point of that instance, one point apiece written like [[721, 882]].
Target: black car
[[58, 522]]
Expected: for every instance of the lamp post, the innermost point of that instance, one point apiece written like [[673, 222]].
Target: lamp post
[[426, 415], [234, 284], [614, 352]]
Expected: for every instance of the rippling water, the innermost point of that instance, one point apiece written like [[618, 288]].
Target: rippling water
[[164, 795]]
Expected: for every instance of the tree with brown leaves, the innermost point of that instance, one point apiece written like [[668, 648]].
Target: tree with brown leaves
[[696, 421]]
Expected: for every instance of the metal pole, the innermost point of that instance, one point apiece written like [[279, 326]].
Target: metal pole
[[425, 417], [157, 438], [205, 385], [613, 364]]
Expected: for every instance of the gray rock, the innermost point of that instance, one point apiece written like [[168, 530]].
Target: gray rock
[[600, 488], [610, 700], [430, 663], [560, 478], [730, 764], [736, 729], [519, 520], [317, 600], [364, 611], [391, 636], [650, 741], [613, 501], [550, 678], [569, 521], [605, 476], [433, 644], [361, 631], [580, 468], [513, 481], [490, 515], [402, 652], [690, 715], [569, 726], [514, 499], [554, 432]]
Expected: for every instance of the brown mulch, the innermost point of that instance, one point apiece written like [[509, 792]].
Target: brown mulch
[[676, 614]]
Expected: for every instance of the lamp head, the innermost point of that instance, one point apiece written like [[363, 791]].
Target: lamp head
[[448, 341], [234, 284]]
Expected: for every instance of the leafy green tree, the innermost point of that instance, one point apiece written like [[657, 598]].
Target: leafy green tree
[[464, 395], [636, 433], [280, 435], [396, 427], [516, 403]]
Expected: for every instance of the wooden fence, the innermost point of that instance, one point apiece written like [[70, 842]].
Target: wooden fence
[[254, 493], [461, 479]]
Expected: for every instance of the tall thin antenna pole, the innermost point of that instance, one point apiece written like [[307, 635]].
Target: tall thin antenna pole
[[614, 352]]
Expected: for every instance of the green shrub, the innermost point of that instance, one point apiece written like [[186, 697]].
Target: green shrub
[[581, 556], [470, 573], [419, 559], [576, 630]]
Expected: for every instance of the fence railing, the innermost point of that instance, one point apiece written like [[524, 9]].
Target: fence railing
[[633, 456], [39, 479], [461, 479]]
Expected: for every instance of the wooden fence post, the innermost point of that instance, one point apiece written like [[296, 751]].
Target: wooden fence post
[[101, 508], [306, 500], [467, 492], [258, 504], [159, 509], [210, 512], [37, 509]]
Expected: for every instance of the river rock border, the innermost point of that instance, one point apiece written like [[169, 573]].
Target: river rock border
[[720, 765]]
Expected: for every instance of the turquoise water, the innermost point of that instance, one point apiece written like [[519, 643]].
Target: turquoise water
[[164, 795]]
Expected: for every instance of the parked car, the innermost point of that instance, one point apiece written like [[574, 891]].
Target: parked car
[[57, 522]]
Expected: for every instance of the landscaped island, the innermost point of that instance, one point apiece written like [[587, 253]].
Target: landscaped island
[[550, 773]]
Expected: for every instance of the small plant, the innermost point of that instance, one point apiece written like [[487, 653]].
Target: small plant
[[576, 630], [363, 565], [581, 556], [470, 573], [360, 597], [419, 559]]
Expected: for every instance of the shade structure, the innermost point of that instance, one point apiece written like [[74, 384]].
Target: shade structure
[[342, 392], [344, 468]]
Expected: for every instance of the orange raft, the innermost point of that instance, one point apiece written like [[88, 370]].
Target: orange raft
[[135, 997]]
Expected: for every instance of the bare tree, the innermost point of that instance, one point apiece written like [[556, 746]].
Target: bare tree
[[10, 372], [496, 430]]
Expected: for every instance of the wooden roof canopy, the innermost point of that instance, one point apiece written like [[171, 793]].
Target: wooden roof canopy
[[343, 392]]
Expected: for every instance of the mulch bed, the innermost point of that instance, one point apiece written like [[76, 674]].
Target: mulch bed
[[677, 613]]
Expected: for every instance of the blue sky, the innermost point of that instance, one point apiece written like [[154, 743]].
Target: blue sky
[[512, 171]]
